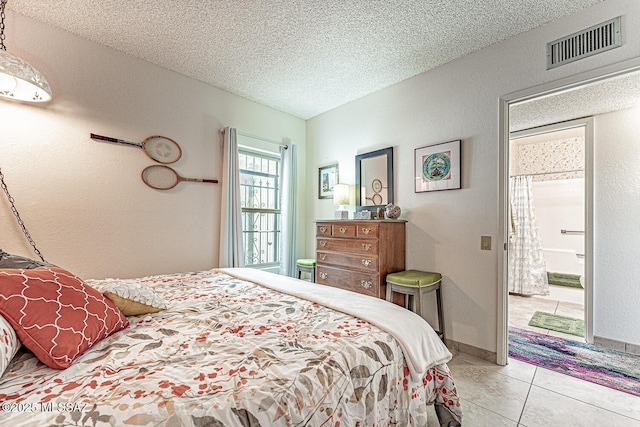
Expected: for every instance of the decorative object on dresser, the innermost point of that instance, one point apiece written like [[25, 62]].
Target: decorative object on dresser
[[340, 199], [437, 167], [362, 215], [392, 211], [357, 255], [327, 178]]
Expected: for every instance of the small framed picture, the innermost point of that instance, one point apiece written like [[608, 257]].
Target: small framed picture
[[327, 178], [437, 167]]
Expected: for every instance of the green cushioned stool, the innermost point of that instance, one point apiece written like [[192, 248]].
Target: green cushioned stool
[[414, 285], [307, 265]]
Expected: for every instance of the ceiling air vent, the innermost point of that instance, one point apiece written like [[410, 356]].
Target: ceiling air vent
[[599, 38]]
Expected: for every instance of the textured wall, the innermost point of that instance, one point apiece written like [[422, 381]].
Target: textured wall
[[617, 239], [83, 201], [560, 205]]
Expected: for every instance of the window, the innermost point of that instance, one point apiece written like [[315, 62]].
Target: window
[[260, 202]]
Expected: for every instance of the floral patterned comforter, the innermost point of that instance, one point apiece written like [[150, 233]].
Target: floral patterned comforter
[[228, 352]]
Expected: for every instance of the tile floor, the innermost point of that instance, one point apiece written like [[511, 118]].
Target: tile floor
[[520, 394], [561, 300], [525, 395]]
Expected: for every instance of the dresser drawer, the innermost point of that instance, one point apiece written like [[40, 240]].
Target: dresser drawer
[[365, 262], [323, 229], [351, 280], [347, 245], [368, 230], [344, 230]]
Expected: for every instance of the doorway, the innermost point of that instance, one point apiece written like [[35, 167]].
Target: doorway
[[554, 98], [546, 248]]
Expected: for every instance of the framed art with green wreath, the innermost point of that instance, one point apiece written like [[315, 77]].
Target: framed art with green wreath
[[437, 167]]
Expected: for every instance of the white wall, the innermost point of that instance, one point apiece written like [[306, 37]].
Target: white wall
[[559, 204], [83, 201], [617, 229], [456, 101]]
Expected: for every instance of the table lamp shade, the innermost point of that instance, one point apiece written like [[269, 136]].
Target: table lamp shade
[[341, 198], [341, 194]]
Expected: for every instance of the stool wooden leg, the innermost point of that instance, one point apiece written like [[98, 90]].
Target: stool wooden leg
[[440, 313], [389, 296], [417, 302], [313, 275]]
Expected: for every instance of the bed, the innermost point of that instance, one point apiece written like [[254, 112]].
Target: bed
[[241, 347]]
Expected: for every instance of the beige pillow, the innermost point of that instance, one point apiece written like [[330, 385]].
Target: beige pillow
[[134, 298]]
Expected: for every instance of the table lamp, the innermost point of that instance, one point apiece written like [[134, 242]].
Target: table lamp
[[341, 198]]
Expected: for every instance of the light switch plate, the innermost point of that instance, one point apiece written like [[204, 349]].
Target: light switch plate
[[485, 243]]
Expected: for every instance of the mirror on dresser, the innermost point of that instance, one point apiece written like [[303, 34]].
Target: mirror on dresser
[[374, 179]]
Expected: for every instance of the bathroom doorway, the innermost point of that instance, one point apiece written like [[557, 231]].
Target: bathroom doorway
[[546, 262], [608, 99]]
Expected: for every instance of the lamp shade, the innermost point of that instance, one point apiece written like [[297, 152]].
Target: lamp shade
[[19, 81], [341, 194]]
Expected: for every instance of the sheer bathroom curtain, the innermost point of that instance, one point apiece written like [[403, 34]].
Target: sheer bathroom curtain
[[527, 269]]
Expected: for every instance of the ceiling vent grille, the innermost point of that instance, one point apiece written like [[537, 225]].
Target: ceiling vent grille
[[597, 39]]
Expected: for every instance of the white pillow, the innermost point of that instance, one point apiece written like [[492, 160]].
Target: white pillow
[[133, 298], [9, 344]]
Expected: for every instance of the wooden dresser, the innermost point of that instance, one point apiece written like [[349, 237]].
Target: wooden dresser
[[358, 254]]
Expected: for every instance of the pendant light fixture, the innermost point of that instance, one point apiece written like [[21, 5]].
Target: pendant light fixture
[[19, 81]]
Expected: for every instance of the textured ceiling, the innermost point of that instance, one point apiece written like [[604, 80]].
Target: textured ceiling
[[300, 56], [603, 97]]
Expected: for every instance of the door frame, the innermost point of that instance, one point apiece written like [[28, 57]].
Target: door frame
[[544, 90]]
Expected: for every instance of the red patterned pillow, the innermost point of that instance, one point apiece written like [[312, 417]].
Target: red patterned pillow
[[55, 314]]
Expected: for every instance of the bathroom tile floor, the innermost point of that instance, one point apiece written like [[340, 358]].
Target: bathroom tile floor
[[561, 300], [520, 394]]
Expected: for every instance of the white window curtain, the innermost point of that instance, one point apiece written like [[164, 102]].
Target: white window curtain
[[231, 252], [289, 211], [527, 268]]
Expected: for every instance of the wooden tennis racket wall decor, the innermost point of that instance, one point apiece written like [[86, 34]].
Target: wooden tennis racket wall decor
[[164, 178], [159, 148], [162, 150]]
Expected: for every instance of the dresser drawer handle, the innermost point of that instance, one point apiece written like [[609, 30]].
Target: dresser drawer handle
[[323, 275], [366, 262], [343, 230], [323, 256], [366, 246], [366, 230], [366, 284], [323, 243], [323, 229]]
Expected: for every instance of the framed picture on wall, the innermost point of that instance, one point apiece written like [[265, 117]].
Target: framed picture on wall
[[437, 167], [327, 178]]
